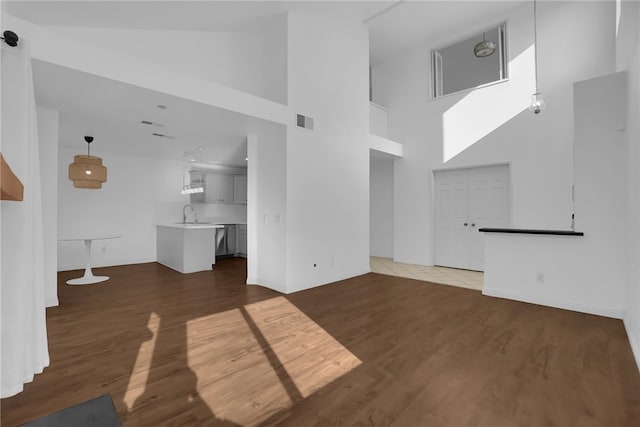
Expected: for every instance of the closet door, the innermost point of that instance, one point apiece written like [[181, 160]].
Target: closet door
[[466, 200], [488, 207], [452, 237]]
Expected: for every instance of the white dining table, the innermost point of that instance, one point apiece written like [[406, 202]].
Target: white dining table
[[88, 277]]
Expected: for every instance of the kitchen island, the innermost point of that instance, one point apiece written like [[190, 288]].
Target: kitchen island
[[186, 247]]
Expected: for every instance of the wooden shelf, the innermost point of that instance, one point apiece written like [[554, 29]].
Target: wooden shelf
[[11, 187]]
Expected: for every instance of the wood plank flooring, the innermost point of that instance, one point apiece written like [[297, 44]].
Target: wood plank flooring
[[203, 349]]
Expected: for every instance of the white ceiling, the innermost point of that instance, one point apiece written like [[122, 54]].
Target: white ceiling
[[395, 26], [111, 111], [238, 15]]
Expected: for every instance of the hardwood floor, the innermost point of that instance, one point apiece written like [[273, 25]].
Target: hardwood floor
[[203, 349]]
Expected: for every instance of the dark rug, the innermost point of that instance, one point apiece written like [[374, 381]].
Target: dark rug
[[98, 412]]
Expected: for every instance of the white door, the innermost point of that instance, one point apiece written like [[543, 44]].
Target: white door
[[466, 200]]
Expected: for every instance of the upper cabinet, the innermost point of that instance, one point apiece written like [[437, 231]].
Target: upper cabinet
[[240, 189], [219, 188]]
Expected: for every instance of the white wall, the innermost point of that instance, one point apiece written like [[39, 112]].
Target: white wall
[[578, 273], [631, 21], [491, 125], [328, 168], [378, 120], [572, 276], [266, 219], [231, 59], [274, 59], [627, 28], [126, 205], [381, 208], [48, 143]]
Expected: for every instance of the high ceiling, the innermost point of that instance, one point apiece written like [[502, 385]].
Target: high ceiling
[[113, 112], [93, 105], [395, 26]]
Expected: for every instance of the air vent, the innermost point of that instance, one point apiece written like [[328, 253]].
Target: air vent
[[304, 122], [160, 135], [154, 124]]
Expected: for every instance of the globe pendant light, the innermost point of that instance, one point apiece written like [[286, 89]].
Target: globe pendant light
[[87, 171], [484, 48], [537, 103]]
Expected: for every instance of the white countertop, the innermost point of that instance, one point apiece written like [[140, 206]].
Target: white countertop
[[227, 221], [88, 237], [191, 226]]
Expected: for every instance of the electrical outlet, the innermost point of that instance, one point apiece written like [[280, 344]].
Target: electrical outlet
[[540, 278]]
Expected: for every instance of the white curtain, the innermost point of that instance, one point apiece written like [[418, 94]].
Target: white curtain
[[23, 338]]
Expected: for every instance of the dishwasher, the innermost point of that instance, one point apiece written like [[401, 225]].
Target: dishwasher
[[226, 241]]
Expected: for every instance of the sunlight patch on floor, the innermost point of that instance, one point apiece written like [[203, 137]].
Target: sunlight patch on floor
[[310, 355], [239, 383], [140, 373]]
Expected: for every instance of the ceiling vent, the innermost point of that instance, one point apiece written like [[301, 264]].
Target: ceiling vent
[[160, 135], [304, 122], [147, 122]]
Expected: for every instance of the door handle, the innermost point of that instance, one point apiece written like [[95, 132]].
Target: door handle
[[465, 224], [473, 225]]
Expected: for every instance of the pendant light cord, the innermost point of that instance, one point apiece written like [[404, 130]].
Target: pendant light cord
[[535, 41]]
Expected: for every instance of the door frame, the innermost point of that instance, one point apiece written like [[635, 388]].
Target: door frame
[[457, 168]]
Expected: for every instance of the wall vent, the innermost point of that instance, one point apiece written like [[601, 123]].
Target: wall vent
[[304, 122]]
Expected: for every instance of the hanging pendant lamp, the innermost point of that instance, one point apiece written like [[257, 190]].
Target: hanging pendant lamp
[[87, 171], [537, 103], [484, 48]]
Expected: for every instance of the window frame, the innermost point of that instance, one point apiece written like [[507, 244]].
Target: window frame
[[437, 83]]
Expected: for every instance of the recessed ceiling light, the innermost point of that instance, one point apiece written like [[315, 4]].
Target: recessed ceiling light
[[161, 106], [192, 159]]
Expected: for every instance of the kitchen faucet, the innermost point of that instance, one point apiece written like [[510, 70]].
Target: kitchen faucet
[[184, 213]]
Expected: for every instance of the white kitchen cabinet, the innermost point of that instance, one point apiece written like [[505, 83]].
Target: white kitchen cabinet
[[240, 189], [197, 180], [186, 248], [218, 188], [241, 240]]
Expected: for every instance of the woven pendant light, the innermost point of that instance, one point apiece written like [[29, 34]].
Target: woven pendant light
[[87, 171]]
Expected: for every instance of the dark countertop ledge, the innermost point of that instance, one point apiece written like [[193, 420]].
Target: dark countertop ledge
[[531, 231]]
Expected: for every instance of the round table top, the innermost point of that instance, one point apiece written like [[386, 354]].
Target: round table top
[[89, 237]]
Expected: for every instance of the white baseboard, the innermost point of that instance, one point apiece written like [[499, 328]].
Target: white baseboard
[[550, 302], [635, 346], [52, 302], [256, 281]]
